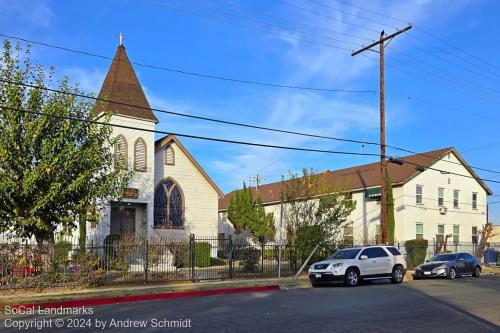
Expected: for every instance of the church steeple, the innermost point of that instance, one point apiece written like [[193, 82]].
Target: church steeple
[[121, 85]]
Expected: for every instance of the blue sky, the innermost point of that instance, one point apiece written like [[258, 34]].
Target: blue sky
[[436, 95]]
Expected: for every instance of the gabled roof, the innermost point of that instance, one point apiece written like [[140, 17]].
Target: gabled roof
[[160, 143], [366, 176], [121, 85]]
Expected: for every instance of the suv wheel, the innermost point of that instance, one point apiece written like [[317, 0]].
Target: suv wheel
[[351, 278], [452, 273], [397, 275], [477, 271]]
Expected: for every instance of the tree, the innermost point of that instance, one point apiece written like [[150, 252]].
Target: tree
[[52, 170], [246, 214], [485, 234], [314, 211]]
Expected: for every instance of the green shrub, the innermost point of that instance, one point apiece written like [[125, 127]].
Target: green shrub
[[416, 250], [249, 258], [202, 254], [61, 251], [217, 262]]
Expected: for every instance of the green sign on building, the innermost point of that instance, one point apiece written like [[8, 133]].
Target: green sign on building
[[373, 193]]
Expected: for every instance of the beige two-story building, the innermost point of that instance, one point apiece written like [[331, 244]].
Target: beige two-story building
[[436, 193]]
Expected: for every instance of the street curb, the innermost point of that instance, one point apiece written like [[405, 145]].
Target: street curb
[[143, 298]]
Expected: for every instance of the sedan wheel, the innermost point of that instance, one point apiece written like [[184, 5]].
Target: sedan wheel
[[351, 278], [477, 271], [452, 273]]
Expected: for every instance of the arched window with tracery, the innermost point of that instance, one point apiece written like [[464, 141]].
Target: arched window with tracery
[[169, 205], [140, 154], [121, 152]]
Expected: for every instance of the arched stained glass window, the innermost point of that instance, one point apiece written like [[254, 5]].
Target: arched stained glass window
[[121, 151], [140, 155], [169, 208]]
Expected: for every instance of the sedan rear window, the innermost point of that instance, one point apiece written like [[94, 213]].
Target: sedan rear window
[[345, 254], [394, 251]]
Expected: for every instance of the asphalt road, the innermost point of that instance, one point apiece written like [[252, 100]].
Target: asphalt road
[[462, 305]]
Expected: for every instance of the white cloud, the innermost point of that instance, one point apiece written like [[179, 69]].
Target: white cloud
[[90, 80]]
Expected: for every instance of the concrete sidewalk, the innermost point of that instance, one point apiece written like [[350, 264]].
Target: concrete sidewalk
[[135, 291]]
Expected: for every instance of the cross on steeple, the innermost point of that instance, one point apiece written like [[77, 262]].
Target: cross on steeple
[[120, 38]]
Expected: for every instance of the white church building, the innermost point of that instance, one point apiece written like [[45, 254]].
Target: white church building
[[169, 193]]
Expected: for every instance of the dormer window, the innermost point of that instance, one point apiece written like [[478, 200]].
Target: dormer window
[[121, 152], [169, 155], [140, 154]]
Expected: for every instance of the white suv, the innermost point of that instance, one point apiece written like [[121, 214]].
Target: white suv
[[352, 265]]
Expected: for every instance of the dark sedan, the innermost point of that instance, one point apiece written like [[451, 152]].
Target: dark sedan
[[449, 265]]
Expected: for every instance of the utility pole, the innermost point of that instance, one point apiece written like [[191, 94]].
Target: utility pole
[[383, 160], [258, 180]]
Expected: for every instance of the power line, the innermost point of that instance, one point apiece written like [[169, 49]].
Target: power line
[[254, 28], [227, 122], [179, 71], [189, 135], [236, 142], [461, 81], [312, 135], [247, 9], [403, 41], [197, 4], [424, 31]]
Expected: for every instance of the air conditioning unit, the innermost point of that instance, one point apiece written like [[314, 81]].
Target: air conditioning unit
[[443, 210]]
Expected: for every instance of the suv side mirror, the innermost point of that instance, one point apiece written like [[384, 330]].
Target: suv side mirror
[[363, 257]]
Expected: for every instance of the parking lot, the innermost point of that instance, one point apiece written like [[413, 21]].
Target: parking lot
[[462, 305]]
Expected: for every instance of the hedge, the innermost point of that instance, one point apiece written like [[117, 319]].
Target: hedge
[[416, 250], [202, 254]]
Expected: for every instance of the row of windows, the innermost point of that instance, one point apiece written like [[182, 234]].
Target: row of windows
[[419, 192], [441, 236], [140, 154]]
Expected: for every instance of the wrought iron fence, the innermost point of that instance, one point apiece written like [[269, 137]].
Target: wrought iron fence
[[128, 258]]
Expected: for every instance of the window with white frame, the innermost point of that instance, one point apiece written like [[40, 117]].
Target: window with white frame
[[440, 233], [348, 235], [456, 234], [474, 235], [456, 196], [440, 196], [474, 200], [419, 192], [419, 230]]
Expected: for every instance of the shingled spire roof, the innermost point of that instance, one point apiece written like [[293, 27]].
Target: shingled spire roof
[[121, 85]]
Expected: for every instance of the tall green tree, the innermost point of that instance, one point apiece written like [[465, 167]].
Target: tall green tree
[[391, 223], [245, 213], [314, 210], [52, 170]]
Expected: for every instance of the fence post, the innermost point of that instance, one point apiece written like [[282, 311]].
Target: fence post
[[262, 258], [456, 247], [230, 256], [192, 255], [398, 246]]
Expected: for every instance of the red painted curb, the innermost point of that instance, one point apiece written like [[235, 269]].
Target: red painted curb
[[143, 298]]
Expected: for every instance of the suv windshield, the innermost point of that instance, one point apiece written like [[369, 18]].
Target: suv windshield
[[345, 254], [444, 257]]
